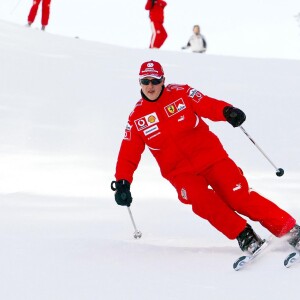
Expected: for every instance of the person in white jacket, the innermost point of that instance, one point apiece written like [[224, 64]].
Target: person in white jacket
[[197, 42]]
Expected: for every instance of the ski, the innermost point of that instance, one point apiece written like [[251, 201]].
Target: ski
[[242, 261], [292, 258]]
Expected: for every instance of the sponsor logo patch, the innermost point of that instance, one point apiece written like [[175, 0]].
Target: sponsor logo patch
[[192, 93], [127, 135], [128, 127], [175, 107], [195, 95], [153, 136], [171, 109], [146, 121], [150, 130], [177, 87], [181, 118], [237, 187]]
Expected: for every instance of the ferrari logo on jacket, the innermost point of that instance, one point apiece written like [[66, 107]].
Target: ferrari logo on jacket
[[171, 109], [175, 107]]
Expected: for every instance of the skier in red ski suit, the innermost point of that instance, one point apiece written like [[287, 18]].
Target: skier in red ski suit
[[169, 121], [156, 14], [45, 12]]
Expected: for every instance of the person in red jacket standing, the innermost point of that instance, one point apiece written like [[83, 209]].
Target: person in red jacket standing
[[169, 121], [45, 12], [156, 14]]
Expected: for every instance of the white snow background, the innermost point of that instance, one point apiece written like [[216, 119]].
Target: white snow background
[[64, 104]]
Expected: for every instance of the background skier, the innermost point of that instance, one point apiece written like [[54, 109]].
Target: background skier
[[45, 12], [156, 14], [196, 42]]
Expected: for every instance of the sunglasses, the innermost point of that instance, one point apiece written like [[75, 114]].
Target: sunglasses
[[154, 81]]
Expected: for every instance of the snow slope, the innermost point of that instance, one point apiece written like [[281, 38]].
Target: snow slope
[[64, 104]]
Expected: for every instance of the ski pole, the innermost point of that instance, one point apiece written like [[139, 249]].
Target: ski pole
[[279, 171], [137, 234], [15, 7]]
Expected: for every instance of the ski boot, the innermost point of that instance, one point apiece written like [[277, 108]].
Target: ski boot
[[294, 237], [249, 241]]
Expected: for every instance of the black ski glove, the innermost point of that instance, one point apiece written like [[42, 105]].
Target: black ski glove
[[122, 192], [234, 116]]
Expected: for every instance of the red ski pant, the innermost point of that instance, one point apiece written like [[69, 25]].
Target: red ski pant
[[159, 35], [221, 195], [45, 11]]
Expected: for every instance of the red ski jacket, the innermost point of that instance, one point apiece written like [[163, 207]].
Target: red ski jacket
[[173, 129], [156, 8]]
